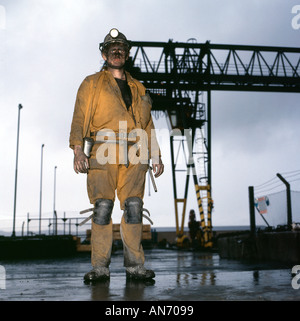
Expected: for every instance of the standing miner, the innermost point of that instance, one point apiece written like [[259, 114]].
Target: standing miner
[[112, 116]]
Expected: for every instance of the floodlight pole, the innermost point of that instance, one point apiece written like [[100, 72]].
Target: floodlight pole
[[41, 188], [16, 174]]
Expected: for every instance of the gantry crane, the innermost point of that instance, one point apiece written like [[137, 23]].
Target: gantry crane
[[181, 78]]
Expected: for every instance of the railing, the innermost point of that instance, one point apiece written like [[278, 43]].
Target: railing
[[66, 223]]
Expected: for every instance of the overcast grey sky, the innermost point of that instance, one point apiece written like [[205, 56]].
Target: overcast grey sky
[[49, 46]]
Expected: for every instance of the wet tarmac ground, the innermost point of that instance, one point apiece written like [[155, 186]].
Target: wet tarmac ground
[[180, 276]]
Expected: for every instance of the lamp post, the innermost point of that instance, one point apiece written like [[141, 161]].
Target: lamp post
[[41, 188], [16, 173], [54, 210]]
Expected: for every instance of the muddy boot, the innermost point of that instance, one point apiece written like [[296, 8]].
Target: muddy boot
[[139, 273], [97, 274]]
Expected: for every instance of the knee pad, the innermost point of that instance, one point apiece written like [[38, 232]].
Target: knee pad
[[133, 210], [102, 211]]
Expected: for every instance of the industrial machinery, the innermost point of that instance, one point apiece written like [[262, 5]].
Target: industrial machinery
[[180, 82]]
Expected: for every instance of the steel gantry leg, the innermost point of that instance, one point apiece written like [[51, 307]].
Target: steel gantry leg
[[184, 146], [181, 239]]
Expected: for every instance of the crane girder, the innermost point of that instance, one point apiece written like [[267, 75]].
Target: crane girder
[[193, 66]]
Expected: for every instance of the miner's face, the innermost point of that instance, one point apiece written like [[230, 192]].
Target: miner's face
[[116, 55]]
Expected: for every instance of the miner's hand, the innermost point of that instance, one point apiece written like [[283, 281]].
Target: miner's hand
[[158, 169], [81, 163]]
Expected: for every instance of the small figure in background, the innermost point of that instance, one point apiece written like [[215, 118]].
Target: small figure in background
[[193, 227]]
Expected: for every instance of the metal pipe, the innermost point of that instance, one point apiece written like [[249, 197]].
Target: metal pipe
[[16, 173]]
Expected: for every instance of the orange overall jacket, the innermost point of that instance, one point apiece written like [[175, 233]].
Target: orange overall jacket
[[99, 105]]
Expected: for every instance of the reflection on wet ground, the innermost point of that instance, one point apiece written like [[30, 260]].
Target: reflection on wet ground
[[180, 275]]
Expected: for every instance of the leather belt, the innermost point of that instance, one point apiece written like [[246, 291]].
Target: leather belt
[[113, 134]]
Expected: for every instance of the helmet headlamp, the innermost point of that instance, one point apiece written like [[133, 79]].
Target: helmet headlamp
[[114, 36], [114, 33]]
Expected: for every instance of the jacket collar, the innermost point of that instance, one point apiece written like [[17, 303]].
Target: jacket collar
[[127, 74]]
